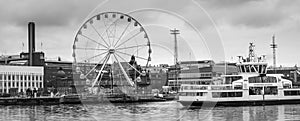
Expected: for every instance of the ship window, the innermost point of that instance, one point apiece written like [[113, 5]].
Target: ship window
[[191, 94], [247, 68], [260, 69], [182, 94], [255, 90], [292, 93], [267, 79], [226, 94], [271, 79], [271, 90], [252, 69], [201, 93], [243, 69]]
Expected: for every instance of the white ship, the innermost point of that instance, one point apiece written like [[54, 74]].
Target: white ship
[[252, 86]]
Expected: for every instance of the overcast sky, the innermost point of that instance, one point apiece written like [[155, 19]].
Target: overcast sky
[[212, 29]]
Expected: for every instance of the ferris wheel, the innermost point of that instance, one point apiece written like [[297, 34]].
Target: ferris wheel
[[111, 43]]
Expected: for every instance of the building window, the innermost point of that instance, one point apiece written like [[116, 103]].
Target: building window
[[1, 76], [36, 77], [29, 77], [21, 77], [17, 77], [5, 76], [13, 77], [32, 84], [8, 84], [9, 77], [25, 77], [41, 84]]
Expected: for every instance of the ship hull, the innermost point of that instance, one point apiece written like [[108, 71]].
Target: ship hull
[[239, 103]]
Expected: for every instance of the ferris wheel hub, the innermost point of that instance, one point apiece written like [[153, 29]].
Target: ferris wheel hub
[[111, 51]]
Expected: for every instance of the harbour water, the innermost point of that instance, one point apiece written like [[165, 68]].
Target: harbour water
[[156, 111]]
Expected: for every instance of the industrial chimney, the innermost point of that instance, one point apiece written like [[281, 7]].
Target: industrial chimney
[[31, 42]]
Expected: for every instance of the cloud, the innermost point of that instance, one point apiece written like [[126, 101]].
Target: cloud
[[44, 12], [252, 13]]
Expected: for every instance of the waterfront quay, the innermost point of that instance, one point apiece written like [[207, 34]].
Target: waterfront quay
[[30, 101]]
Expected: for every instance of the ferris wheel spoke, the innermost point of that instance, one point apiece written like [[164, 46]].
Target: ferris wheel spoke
[[137, 49], [115, 31], [136, 46], [99, 35], [131, 55], [96, 56], [122, 34], [129, 39], [129, 64], [97, 65], [99, 74], [81, 48], [108, 31], [124, 72], [94, 41], [109, 26]]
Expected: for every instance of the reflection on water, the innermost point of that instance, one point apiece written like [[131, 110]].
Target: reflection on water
[[167, 111]]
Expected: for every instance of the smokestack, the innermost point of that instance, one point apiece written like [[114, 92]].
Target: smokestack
[[31, 42]]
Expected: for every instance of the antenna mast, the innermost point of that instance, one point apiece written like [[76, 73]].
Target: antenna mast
[[175, 32]]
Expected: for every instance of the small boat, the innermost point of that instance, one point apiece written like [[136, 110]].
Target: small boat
[[251, 86]]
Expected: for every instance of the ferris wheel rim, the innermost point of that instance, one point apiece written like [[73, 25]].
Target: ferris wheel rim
[[118, 48]]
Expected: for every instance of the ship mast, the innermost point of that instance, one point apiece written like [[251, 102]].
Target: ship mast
[[252, 57]]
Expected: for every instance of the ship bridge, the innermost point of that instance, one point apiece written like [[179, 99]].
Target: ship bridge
[[252, 64]]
